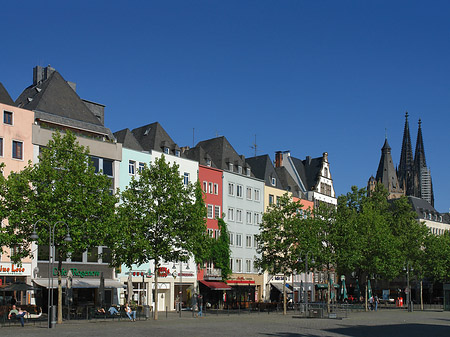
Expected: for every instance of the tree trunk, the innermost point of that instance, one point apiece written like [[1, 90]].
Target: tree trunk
[[156, 290], [328, 294], [365, 297], [59, 291], [284, 294], [421, 295]]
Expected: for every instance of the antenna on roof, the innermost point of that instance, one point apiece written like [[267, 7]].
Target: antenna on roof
[[254, 146]]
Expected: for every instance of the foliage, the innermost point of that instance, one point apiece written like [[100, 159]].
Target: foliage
[[436, 257], [220, 250]]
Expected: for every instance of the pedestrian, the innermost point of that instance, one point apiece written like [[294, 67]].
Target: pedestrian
[[194, 304], [371, 303], [130, 312], [200, 305], [375, 302]]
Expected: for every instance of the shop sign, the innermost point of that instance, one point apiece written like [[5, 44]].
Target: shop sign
[[163, 271], [11, 269], [77, 272]]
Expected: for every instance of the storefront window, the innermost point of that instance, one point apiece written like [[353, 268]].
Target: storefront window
[[106, 255], [93, 255], [43, 253], [77, 257]]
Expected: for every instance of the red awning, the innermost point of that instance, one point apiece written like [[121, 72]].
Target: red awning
[[216, 285], [241, 282]]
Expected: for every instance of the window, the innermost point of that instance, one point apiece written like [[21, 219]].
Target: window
[[231, 263], [210, 188], [132, 167], [257, 218], [325, 172], [216, 233], [271, 199], [248, 171], [17, 149], [217, 212], [255, 241], [239, 215], [177, 153], [231, 214], [248, 266], [7, 117], [108, 167], [231, 236], [92, 255], [166, 150], [249, 193], [273, 181], [249, 217], [248, 241], [210, 232], [216, 189], [1, 147], [278, 200], [239, 169], [230, 188], [95, 163], [230, 167], [205, 184], [210, 211], [186, 178], [238, 240], [106, 255], [208, 162], [43, 253], [141, 167], [239, 265], [239, 191], [256, 194]]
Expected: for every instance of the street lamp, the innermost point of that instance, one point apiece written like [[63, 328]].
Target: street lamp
[[306, 276], [51, 244], [180, 293]]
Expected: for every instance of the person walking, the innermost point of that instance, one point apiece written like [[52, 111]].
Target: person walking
[[200, 305], [375, 302]]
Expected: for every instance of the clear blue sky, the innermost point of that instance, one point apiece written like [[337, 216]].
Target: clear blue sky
[[304, 76]]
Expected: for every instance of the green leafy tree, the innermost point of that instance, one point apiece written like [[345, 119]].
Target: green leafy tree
[[160, 219], [220, 250], [436, 257], [283, 236], [62, 194]]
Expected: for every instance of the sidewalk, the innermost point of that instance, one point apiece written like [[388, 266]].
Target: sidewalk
[[364, 324]]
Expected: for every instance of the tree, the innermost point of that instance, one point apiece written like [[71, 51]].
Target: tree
[[220, 250], [160, 218], [283, 236], [64, 190]]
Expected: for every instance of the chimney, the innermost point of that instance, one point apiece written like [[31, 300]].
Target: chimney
[[278, 159], [40, 74]]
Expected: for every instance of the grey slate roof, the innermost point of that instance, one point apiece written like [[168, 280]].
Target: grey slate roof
[[386, 173], [200, 155], [154, 137], [128, 140], [421, 206], [222, 153], [5, 98], [309, 170], [288, 182], [262, 168], [54, 100]]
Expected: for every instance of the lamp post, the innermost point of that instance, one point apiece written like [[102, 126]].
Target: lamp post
[[306, 276], [180, 292], [408, 287], [51, 244]]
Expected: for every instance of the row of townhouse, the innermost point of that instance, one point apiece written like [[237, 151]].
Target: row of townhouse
[[236, 188]]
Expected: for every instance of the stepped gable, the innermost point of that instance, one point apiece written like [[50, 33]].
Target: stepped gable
[[262, 168], [5, 98], [154, 137], [127, 139]]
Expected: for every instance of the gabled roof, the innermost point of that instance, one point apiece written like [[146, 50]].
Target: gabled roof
[[262, 168], [288, 182], [200, 155], [222, 153], [154, 137], [5, 98], [127, 139], [386, 173], [308, 170], [56, 96]]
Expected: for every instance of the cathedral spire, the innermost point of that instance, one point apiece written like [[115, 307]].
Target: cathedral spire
[[423, 187], [406, 166], [419, 155], [386, 172]]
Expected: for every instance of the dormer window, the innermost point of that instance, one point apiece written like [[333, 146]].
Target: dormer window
[[177, 153], [239, 169], [247, 171], [166, 150], [208, 162], [230, 167], [273, 181]]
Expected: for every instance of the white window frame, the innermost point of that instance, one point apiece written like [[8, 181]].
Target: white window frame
[[231, 189], [210, 211], [216, 189], [249, 217], [131, 167], [141, 167], [248, 265], [210, 232], [256, 193], [205, 186], [238, 265], [231, 237], [238, 240], [273, 181], [230, 214], [186, 178], [257, 218], [239, 215], [248, 193], [239, 191], [248, 241], [217, 233], [210, 188], [217, 211]]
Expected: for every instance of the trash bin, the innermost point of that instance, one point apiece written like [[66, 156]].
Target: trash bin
[[147, 311], [316, 313]]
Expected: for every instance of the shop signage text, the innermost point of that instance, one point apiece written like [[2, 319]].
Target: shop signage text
[[76, 272], [12, 269]]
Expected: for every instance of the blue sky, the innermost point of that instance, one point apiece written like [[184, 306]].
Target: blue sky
[[304, 76]]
